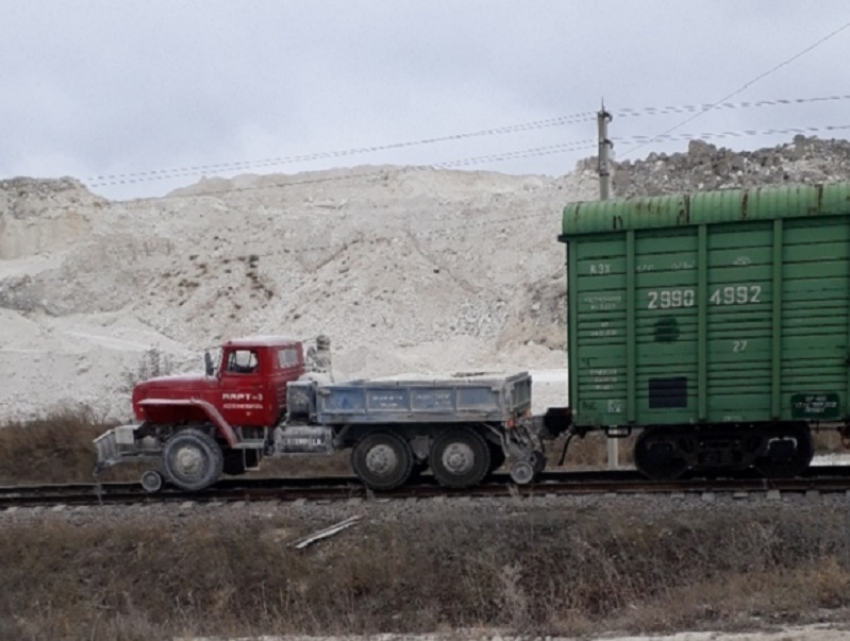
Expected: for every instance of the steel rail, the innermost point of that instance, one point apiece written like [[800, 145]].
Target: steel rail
[[825, 479]]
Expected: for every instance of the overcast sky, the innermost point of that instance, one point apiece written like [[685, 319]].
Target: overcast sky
[[126, 87]]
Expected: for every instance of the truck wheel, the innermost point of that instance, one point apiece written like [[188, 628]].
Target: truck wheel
[[383, 460], [192, 460], [460, 458]]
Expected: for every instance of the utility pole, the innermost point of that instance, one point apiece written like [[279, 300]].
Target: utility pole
[[602, 120]]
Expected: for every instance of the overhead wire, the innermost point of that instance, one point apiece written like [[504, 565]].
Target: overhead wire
[[162, 174], [446, 229], [630, 112], [746, 85], [466, 225], [731, 134], [287, 182], [194, 170]]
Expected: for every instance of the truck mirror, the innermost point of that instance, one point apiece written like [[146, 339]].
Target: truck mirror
[[208, 364]]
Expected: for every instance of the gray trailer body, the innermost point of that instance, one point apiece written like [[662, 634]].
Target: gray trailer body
[[459, 398]]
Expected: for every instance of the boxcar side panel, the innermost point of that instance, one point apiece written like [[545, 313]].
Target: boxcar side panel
[[739, 315], [719, 307], [666, 319], [758, 359], [815, 298], [599, 361]]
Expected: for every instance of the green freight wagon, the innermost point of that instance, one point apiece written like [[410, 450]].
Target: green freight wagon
[[717, 324]]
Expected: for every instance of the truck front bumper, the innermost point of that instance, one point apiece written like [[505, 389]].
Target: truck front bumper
[[120, 444]]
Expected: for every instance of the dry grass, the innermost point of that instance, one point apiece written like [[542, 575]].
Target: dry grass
[[534, 572], [57, 449]]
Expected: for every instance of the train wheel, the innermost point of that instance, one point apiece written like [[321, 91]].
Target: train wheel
[[460, 458], [789, 452], [656, 456], [382, 460], [192, 460]]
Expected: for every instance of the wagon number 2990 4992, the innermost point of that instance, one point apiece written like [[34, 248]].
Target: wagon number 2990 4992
[[728, 295]]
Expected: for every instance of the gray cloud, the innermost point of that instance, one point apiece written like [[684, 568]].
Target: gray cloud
[[99, 87]]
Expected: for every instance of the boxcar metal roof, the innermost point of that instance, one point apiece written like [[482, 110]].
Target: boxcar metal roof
[[725, 206]]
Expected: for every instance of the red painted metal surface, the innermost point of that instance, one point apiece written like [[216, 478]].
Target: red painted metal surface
[[248, 389]]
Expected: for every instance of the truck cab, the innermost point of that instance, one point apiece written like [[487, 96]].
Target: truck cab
[[247, 387], [198, 426]]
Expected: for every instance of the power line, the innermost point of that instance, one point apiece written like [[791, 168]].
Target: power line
[[163, 174], [510, 155], [748, 84], [625, 112], [526, 153], [629, 112], [732, 134], [286, 182]]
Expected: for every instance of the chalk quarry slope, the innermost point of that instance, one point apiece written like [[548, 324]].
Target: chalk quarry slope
[[407, 269]]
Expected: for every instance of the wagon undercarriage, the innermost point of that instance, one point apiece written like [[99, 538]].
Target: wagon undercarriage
[[776, 450]]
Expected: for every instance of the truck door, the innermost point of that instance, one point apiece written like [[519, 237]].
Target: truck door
[[242, 398]]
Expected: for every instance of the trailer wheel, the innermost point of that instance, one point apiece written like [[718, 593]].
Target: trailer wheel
[[382, 460], [192, 460], [460, 458]]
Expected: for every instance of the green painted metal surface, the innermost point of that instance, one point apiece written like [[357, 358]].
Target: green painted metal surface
[[732, 205], [729, 306]]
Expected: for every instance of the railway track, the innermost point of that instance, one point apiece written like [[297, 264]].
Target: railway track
[[825, 479]]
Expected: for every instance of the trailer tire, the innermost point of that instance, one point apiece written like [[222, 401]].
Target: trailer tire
[[460, 458], [192, 460], [382, 460]]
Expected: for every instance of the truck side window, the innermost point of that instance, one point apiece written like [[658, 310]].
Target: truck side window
[[242, 361], [287, 357]]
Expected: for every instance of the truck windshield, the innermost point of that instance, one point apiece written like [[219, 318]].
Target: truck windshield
[[242, 361], [287, 357]]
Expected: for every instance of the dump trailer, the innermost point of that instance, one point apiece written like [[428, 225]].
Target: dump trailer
[[715, 324], [462, 426], [261, 400]]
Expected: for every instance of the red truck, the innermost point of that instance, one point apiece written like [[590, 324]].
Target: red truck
[[261, 400]]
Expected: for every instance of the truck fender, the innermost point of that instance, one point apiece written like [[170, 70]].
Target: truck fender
[[224, 428]]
